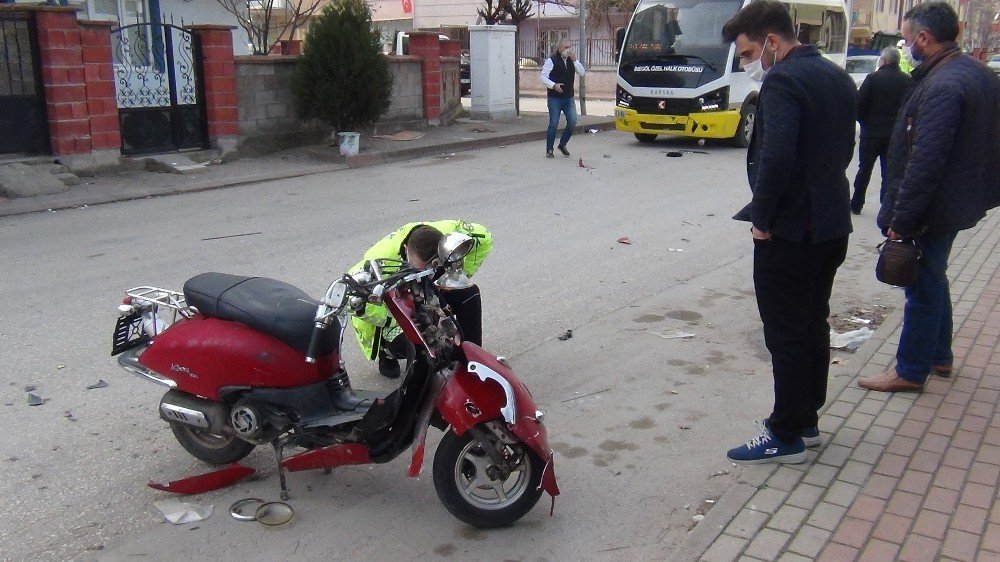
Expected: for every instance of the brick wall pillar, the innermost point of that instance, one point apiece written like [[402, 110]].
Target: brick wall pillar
[[427, 46], [98, 69], [219, 80], [61, 56], [451, 48]]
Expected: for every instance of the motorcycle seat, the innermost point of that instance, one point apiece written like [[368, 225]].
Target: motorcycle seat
[[267, 305]]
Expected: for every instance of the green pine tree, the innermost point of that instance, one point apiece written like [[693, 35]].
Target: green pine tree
[[342, 78]]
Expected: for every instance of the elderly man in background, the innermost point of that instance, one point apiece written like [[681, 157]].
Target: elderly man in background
[[879, 99]]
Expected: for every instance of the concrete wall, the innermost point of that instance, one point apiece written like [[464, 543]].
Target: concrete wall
[[600, 83], [266, 109], [267, 119], [407, 92]]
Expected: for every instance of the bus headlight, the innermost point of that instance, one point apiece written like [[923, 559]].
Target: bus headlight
[[624, 99], [717, 100]]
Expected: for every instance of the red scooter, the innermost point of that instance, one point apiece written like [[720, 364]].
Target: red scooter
[[253, 361]]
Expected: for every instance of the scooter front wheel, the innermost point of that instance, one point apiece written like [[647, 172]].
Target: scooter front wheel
[[473, 488], [209, 447]]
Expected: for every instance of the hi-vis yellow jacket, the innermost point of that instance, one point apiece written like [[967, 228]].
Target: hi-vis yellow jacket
[[376, 320]]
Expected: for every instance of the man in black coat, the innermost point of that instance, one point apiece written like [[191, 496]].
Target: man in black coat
[[879, 99], [942, 177], [800, 216]]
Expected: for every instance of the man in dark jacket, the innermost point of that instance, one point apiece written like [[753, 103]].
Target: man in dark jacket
[[800, 216], [941, 179], [879, 99]]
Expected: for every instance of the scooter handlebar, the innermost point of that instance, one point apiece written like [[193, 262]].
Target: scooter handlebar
[[317, 335]]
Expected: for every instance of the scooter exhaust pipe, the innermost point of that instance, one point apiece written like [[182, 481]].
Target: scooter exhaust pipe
[[180, 407]]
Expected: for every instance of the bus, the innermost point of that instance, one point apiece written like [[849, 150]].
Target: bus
[[676, 76]]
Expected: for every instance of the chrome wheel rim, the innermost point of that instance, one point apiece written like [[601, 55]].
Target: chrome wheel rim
[[473, 481], [748, 126]]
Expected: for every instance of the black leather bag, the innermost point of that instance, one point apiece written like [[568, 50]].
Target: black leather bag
[[898, 262]]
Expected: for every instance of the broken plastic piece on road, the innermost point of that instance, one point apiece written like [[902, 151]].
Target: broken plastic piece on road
[[35, 400], [179, 513], [593, 131], [99, 384], [206, 482], [625, 240], [674, 154], [566, 335]]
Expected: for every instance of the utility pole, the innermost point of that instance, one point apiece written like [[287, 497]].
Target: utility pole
[[581, 10]]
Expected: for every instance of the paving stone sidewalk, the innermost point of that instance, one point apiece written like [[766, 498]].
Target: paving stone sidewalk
[[901, 476]]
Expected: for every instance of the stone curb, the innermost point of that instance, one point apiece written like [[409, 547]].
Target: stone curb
[[28, 205]]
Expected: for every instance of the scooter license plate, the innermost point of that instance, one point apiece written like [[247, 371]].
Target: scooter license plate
[[128, 333]]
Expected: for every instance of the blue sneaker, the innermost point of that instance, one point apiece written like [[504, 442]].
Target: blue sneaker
[[810, 436], [766, 448]]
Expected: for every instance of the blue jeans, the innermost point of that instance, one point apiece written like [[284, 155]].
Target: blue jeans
[[927, 319], [557, 106]]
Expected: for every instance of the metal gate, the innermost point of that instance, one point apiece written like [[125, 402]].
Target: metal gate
[[23, 126], [161, 105]]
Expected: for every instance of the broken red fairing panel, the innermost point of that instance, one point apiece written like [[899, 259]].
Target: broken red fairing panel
[[328, 457], [464, 390], [206, 482]]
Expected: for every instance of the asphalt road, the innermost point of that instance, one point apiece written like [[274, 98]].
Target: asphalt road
[[640, 419]]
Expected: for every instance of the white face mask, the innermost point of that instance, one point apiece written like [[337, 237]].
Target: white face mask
[[755, 70]]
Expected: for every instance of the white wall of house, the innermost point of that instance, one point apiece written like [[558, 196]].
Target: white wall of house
[[204, 12]]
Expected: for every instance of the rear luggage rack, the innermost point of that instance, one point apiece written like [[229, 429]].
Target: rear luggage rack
[[161, 297]]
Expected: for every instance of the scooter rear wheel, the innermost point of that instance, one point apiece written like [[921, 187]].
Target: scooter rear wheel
[[209, 447], [464, 478]]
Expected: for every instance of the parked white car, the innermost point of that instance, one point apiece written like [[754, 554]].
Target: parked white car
[[860, 66], [994, 63]]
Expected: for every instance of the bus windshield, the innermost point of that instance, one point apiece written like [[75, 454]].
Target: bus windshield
[[679, 31]]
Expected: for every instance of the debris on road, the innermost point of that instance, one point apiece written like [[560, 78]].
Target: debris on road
[[35, 400], [675, 249], [850, 340], [207, 482], [99, 384], [674, 154], [673, 335], [566, 335], [625, 240], [30, 387], [698, 518], [593, 131], [179, 513]]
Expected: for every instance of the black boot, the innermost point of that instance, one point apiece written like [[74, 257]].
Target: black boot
[[388, 366]]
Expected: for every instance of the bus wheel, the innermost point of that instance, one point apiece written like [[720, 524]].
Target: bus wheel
[[645, 137], [745, 130]]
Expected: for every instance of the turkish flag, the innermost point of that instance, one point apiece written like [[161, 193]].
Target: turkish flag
[[407, 6]]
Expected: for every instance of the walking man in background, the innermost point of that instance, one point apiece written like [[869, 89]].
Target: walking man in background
[[942, 177], [800, 216], [879, 99], [558, 74]]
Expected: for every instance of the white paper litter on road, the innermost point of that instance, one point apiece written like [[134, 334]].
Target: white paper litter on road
[[179, 513], [673, 335], [856, 320], [850, 340]]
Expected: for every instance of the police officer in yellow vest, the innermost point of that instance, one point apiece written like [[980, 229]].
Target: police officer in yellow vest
[[378, 334]]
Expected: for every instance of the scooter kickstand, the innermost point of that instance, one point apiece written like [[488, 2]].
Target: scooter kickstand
[[279, 448]]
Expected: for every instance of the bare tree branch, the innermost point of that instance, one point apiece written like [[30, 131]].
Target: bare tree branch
[[266, 22]]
